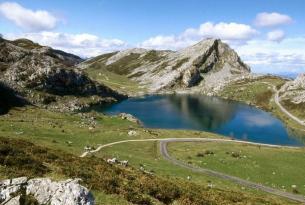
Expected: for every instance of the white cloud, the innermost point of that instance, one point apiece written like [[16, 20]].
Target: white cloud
[[276, 35], [271, 19], [265, 56], [229, 32], [27, 19], [85, 45]]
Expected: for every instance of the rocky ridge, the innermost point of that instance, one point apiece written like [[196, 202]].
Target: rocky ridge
[[203, 67], [44, 191], [45, 75]]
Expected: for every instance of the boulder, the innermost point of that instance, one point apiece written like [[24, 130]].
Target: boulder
[[45, 191]]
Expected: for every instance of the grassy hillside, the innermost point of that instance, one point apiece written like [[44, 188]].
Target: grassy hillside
[[50, 141], [259, 92], [248, 162]]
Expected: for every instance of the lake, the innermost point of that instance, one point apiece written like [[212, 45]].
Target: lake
[[204, 113]]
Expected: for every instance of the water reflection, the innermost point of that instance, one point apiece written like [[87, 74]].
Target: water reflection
[[209, 114]]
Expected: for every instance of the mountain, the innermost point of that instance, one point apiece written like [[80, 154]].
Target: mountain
[[205, 66], [44, 75]]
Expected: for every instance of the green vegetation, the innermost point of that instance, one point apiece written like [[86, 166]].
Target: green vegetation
[[62, 137], [152, 56], [25, 43], [248, 162], [180, 63], [296, 109], [130, 184], [256, 92], [112, 76]]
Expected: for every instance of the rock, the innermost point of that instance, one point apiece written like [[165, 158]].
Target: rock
[[45, 191], [129, 117], [203, 66], [44, 75], [132, 133], [294, 91]]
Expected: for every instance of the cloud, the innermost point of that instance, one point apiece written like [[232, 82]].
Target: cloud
[[266, 56], [276, 35], [228, 32], [257, 120], [85, 45], [272, 19], [27, 19]]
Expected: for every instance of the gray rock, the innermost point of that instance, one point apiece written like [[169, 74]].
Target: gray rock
[[294, 91], [45, 191], [129, 117]]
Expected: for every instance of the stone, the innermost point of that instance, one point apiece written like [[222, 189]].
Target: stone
[[132, 133], [45, 191], [294, 91], [129, 117]]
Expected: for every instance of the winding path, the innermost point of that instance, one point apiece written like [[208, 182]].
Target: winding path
[[166, 155], [253, 185], [277, 102]]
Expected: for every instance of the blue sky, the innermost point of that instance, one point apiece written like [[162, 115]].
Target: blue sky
[[269, 35]]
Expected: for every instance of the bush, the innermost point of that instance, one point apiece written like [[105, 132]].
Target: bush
[[200, 154]]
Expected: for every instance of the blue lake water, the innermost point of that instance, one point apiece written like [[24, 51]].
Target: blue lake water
[[198, 112]]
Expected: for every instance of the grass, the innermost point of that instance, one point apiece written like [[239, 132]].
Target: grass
[[108, 181], [248, 162], [180, 63], [296, 109], [252, 92], [68, 134], [114, 76], [115, 81], [25, 43]]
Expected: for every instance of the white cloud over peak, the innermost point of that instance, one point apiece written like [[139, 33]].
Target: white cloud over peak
[[272, 19], [85, 45], [276, 35], [229, 32], [27, 19]]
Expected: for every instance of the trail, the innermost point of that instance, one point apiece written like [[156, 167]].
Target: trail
[[277, 102]]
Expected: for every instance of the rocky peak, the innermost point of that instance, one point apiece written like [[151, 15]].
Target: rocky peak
[[208, 64]]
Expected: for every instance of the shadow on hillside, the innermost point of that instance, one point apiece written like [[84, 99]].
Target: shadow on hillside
[[9, 98]]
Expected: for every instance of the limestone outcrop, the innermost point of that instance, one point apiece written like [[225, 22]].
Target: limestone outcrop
[[44, 75], [44, 191], [204, 66], [294, 91]]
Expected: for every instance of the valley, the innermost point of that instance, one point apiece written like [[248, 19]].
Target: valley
[[49, 120]]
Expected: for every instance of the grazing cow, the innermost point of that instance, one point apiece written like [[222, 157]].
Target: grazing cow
[[112, 161], [124, 163]]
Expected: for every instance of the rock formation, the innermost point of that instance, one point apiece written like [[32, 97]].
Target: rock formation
[[205, 66], [294, 91], [44, 191], [43, 74]]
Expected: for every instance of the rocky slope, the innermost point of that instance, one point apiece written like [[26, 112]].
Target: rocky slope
[[19, 191], [294, 90], [204, 67], [45, 75]]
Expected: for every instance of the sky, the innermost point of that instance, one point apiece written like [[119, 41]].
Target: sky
[[269, 35]]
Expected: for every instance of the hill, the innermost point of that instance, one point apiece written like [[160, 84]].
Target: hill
[[46, 76]]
